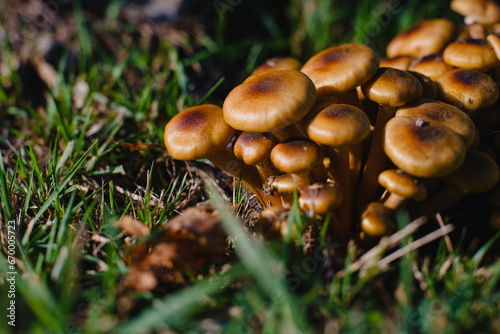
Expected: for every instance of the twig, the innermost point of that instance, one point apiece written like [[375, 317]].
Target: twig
[[382, 264]]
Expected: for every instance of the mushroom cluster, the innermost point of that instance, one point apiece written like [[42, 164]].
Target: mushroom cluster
[[357, 137]]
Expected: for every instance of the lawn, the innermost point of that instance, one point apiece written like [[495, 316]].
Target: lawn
[[87, 187]]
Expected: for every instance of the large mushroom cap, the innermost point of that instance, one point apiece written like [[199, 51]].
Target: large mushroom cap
[[268, 101], [480, 11], [341, 68], [432, 66], [197, 133], [442, 113], [296, 155], [253, 147], [477, 174], [392, 87], [423, 149], [339, 125], [422, 39], [469, 90], [473, 54]]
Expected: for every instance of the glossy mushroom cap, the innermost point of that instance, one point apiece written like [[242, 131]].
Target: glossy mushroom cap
[[320, 198], [478, 173], [400, 62], [377, 220], [432, 66], [396, 181], [472, 54], [197, 133], [442, 113], [254, 147], [422, 39], [470, 90], [268, 101], [339, 125], [480, 11], [392, 87], [296, 155], [278, 63], [423, 149], [341, 68]]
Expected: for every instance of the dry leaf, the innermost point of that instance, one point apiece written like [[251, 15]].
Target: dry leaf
[[132, 226]]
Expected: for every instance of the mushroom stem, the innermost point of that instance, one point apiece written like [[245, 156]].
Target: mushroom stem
[[355, 160], [289, 131], [225, 160], [339, 168], [376, 161], [394, 201]]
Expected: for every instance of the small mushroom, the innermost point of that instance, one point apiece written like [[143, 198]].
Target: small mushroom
[[377, 220], [321, 199], [338, 127], [471, 54], [401, 188], [200, 133], [422, 39], [297, 156], [390, 88]]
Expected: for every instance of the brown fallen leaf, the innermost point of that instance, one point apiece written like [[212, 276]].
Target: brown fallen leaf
[[184, 244]]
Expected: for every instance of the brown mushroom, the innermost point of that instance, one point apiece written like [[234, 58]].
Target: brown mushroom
[[340, 69], [442, 113], [480, 11], [401, 187], [471, 54], [377, 220], [272, 101], [200, 133], [400, 62], [431, 65], [469, 90], [422, 39], [297, 156]]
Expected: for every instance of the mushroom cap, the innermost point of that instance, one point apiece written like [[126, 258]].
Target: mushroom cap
[[254, 147], [398, 182], [400, 62], [197, 133], [429, 89], [339, 125], [296, 155], [477, 174], [283, 184], [321, 198], [442, 113], [469, 90], [423, 149], [480, 11], [472, 54], [268, 101], [392, 87], [341, 68], [422, 39], [432, 66], [377, 220], [278, 63]]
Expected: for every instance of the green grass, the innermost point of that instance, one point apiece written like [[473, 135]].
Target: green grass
[[65, 179]]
